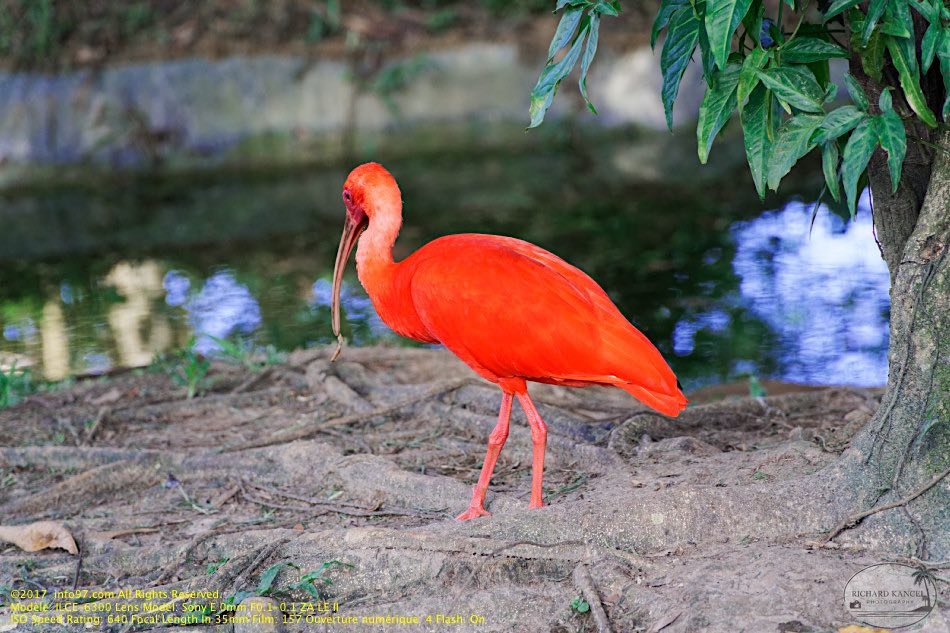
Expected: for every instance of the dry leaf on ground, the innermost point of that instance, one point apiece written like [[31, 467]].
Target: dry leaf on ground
[[40, 535]]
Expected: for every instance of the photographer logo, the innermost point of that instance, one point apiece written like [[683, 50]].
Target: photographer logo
[[890, 595]]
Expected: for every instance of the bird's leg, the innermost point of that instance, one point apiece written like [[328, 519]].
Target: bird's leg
[[495, 441], [539, 438]]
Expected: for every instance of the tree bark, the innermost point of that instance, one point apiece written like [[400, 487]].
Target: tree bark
[[907, 443]]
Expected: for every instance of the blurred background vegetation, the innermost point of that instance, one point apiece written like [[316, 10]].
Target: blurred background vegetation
[[51, 34]]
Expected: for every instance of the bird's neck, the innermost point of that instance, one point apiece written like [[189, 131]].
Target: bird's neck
[[384, 280], [374, 253]]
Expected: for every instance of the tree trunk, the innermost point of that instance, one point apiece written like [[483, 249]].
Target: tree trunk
[[907, 443]]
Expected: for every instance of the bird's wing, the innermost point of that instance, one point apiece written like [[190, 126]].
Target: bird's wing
[[513, 309]]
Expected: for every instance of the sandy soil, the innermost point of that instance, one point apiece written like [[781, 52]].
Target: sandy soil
[[355, 471]]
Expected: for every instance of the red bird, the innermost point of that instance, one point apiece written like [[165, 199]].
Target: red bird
[[510, 310]]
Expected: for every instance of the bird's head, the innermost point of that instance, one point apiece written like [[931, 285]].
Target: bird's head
[[368, 190], [363, 190]]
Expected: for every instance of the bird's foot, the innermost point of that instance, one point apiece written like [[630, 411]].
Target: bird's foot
[[473, 512], [536, 504]]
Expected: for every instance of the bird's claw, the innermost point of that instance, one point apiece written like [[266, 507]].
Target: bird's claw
[[473, 512]]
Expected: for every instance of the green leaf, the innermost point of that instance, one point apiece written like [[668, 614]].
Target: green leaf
[[267, 579], [706, 56], [543, 94], [755, 135], [890, 132], [677, 51], [897, 29], [776, 33], [722, 18], [928, 11], [929, 45], [838, 6], [900, 19], [238, 598], [872, 56], [748, 80], [705, 50], [885, 102], [803, 50], [718, 105], [839, 122], [589, 53], [944, 54], [874, 12], [857, 153], [795, 139], [752, 22], [857, 92], [829, 165], [565, 30], [607, 7], [822, 72], [667, 9], [794, 85], [907, 73]]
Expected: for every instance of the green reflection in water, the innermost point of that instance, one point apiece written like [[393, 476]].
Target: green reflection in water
[[83, 264]]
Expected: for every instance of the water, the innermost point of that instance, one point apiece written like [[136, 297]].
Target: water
[[112, 271]]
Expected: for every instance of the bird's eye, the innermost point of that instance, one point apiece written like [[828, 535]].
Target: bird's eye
[[346, 196]]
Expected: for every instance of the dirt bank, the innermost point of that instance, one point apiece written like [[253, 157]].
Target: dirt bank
[[350, 474]]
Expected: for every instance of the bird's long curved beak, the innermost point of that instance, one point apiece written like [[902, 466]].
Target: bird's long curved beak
[[352, 228]]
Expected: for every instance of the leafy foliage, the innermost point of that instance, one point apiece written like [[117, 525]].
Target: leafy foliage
[[310, 583], [14, 385], [186, 368], [577, 31], [778, 79], [241, 351]]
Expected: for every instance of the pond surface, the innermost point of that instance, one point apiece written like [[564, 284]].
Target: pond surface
[[111, 271]]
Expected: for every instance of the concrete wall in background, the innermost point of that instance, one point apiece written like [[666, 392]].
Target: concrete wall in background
[[246, 107]]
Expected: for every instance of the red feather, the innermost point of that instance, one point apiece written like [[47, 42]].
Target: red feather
[[512, 311]]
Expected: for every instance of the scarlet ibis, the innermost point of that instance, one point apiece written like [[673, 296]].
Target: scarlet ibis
[[510, 310]]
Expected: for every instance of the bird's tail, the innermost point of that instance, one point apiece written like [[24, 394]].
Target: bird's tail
[[641, 369], [666, 403]]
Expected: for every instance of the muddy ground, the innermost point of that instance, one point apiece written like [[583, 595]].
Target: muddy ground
[[355, 471]]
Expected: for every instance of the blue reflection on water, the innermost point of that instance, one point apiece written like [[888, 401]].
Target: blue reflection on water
[[97, 362], [66, 293], [357, 308], [684, 335], [824, 294], [221, 308], [176, 286], [22, 331]]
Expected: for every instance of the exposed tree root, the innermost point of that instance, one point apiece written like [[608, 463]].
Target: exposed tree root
[[585, 585], [308, 429], [853, 520]]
